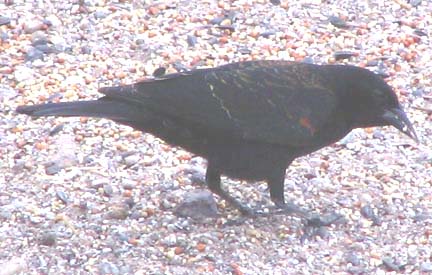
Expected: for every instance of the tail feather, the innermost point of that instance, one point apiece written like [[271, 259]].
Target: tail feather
[[94, 108]]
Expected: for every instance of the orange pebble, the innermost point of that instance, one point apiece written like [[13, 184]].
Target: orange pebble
[[178, 250], [201, 247]]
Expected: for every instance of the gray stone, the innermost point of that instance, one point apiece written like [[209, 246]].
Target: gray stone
[[198, 204]]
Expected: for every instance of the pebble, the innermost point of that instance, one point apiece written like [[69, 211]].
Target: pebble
[[390, 265], [369, 213], [3, 38], [4, 20], [53, 21], [5, 213], [23, 73], [63, 197], [108, 190], [52, 168], [100, 14], [132, 160], [33, 25], [191, 40], [108, 269], [7, 93], [118, 212], [415, 3], [33, 54], [96, 42], [353, 259], [338, 22], [426, 267], [14, 266], [199, 204], [159, 72], [340, 55], [48, 239]]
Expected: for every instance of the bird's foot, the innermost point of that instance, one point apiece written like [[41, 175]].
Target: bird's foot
[[315, 225], [246, 214], [249, 213]]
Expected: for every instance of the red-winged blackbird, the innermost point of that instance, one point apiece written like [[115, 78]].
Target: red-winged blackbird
[[250, 120]]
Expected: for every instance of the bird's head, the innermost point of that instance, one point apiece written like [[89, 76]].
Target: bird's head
[[372, 102]]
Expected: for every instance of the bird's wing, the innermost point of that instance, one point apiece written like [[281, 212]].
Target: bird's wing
[[273, 102]]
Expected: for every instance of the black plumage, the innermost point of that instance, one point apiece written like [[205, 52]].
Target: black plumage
[[250, 120]]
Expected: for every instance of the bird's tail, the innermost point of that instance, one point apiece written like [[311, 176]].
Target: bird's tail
[[101, 108]]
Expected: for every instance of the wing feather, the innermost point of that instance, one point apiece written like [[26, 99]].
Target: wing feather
[[273, 101]]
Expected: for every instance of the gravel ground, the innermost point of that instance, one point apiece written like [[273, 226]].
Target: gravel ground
[[88, 196]]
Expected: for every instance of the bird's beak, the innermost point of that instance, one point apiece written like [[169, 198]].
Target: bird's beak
[[398, 119]]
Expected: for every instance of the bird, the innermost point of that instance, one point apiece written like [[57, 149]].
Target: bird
[[248, 119]]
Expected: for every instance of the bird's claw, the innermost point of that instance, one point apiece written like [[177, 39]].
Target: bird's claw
[[314, 225]]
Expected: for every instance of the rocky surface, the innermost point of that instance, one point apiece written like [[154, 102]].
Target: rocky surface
[[87, 196]]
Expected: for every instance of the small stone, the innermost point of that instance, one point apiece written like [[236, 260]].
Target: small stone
[[4, 20], [6, 92], [14, 266], [23, 73], [118, 213], [59, 43], [131, 160], [100, 14], [351, 137], [129, 185], [191, 40], [108, 190], [338, 22], [180, 67], [372, 63], [39, 38], [426, 267], [48, 239], [353, 259], [357, 270], [390, 265], [53, 21], [419, 217], [198, 204], [106, 268], [217, 20], [5, 213], [45, 48], [3, 36], [267, 34], [159, 72], [378, 134], [33, 54], [415, 3], [201, 247], [33, 25], [98, 183], [86, 50], [52, 168], [62, 196], [420, 32], [244, 50], [340, 55], [369, 214], [56, 129]]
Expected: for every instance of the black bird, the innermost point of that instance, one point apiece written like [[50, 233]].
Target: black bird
[[250, 120]]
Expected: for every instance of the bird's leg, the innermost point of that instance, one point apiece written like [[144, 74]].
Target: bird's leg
[[313, 222], [277, 195], [214, 184]]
